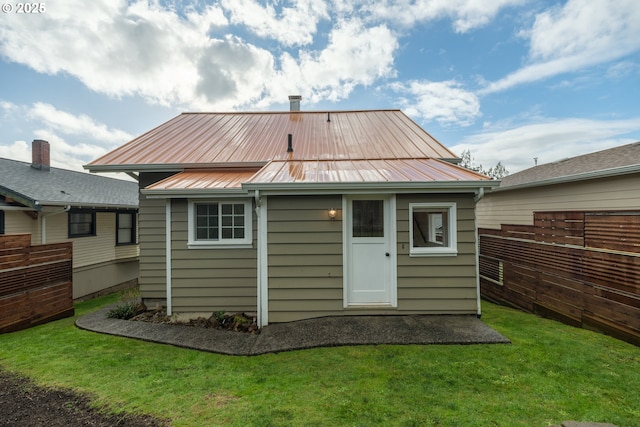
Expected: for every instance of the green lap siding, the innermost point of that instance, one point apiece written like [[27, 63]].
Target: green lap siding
[[306, 256], [438, 284], [208, 280]]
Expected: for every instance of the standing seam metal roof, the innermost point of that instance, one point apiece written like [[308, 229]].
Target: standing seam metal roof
[[193, 139], [321, 172]]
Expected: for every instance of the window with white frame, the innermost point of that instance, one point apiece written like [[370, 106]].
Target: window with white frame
[[222, 222], [432, 229]]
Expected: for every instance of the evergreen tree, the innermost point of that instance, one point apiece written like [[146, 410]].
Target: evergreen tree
[[496, 172]]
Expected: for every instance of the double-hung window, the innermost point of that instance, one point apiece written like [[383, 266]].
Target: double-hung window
[[126, 228], [219, 223], [82, 223], [432, 229]]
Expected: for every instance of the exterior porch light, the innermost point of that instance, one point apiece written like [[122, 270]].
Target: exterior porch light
[[332, 213]]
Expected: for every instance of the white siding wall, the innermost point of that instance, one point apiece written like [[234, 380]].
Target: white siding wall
[[97, 262]]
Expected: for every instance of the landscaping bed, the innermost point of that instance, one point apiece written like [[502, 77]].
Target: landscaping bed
[[239, 322]]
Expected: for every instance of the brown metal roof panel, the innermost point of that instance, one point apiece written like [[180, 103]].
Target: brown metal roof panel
[[204, 180], [207, 138]]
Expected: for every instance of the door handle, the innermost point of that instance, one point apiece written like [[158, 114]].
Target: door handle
[[387, 254]]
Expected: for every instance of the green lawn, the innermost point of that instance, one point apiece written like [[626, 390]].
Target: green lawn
[[550, 373]]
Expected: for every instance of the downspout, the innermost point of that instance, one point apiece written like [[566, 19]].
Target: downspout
[[262, 267], [476, 199], [168, 254], [43, 227]]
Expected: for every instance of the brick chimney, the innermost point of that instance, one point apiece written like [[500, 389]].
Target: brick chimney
[[40, 155], [294, 102]]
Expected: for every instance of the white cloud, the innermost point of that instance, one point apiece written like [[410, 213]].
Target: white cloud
[[444, 102], [17, 150], [579, 34], [465, 14], [81, 125], [74, 139], [291, 26], [185, 60], [356, 55], [549, 141], [115, 48]]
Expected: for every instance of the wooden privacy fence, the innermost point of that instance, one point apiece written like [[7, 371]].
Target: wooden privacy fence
[[35, 282], [582, 268]]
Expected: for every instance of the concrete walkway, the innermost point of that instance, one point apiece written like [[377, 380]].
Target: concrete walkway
[[322, 332]]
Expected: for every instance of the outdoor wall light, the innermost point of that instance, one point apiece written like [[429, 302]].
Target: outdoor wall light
[[332, 213]]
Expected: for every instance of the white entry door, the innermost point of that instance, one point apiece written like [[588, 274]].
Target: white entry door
[[369, 251]]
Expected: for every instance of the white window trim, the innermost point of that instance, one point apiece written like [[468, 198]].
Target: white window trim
[[452, 248], [247, 242]]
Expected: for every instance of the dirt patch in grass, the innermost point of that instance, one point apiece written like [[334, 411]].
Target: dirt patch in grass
[[25, 404]]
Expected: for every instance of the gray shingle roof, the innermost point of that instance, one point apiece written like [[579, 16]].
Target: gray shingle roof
[[61, 187], [613, 161]]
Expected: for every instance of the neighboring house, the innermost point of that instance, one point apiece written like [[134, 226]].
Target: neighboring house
[[97, 214], [607, 180], [295, 215], [563, 240]]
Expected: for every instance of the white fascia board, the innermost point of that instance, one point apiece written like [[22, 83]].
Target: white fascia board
[[195, 194], [171, 167], [371, 187], [605, 173]]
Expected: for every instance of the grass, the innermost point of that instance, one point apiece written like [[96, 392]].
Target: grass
[[550, 373]]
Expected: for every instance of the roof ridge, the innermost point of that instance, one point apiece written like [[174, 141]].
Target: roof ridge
[[292, 112]]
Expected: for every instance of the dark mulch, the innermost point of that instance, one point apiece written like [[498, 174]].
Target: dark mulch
[[25, 404], [239, 322]]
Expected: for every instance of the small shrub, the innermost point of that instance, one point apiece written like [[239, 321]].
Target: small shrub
[[123, 311], [219, 316]]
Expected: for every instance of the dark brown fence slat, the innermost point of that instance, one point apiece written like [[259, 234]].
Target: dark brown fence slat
[[35, 282], [593, 287], [616, 232]]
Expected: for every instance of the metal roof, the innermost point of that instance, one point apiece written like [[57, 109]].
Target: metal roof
[[242, 139], [425, 173], [360, 171], [59, 187], [204, 180]]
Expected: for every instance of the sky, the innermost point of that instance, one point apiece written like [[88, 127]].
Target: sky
[[512, 81]]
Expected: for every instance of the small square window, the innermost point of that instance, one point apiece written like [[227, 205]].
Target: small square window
[[219, 223], [82, 224], [432, 229]]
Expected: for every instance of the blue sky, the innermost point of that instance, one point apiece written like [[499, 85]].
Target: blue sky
[[509, 80]]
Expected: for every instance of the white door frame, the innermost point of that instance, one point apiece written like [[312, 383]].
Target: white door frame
[[391, 237]]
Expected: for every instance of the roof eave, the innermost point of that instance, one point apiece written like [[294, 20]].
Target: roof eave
[[85, 205], [194, 193], [316, 188], [23, 199], [605, 173], [170, 167], [459, 186]]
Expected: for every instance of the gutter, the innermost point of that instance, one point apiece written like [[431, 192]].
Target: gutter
[[170, 167], [604, 173], [378, 187]]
